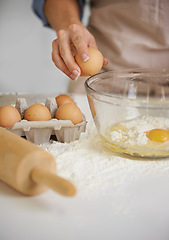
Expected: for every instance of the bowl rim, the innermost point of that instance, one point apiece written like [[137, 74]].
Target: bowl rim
[[89, 80]]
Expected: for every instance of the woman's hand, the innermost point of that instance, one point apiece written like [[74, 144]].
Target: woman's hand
[[72, 39]]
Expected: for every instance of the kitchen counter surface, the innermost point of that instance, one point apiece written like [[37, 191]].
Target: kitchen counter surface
[[118, 198]]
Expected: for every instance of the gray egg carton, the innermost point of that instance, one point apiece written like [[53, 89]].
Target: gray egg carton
[[40, 132]]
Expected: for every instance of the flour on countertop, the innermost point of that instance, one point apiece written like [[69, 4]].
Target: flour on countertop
[[93, 168]]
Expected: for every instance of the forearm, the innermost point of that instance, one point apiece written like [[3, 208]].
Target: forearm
[[62, 13], [72, 36]]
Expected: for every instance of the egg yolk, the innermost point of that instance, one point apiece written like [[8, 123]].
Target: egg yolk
[[158, 135]]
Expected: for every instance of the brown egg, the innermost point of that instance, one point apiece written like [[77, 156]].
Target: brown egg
[[9, 115], [61, 99], [93, 65], [69, 111], [37, 112]]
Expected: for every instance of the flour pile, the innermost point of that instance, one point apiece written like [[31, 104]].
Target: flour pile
[[93, 168]]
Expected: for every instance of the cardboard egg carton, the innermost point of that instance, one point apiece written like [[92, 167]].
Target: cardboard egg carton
[[40, 132]]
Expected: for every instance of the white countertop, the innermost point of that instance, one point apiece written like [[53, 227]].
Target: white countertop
[[131, 205]]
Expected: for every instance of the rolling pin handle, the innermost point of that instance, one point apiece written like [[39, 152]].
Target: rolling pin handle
[[60, 185]]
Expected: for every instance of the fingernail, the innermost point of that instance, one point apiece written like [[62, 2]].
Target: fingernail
[[85, 57], [75, 74]]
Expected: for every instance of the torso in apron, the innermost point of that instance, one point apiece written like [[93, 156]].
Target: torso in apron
[[130, 33]]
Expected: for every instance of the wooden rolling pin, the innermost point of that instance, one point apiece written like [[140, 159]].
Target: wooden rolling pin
[[28, 168]]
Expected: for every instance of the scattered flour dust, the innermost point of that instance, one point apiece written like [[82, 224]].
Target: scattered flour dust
[[93, 168]]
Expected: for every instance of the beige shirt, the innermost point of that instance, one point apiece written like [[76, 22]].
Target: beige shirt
[[130, 33]]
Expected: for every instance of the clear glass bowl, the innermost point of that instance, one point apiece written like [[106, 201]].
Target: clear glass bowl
[[130, 109]]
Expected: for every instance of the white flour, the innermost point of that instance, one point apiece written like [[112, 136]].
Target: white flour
[[98, 173], [135, 130], [93, 168]]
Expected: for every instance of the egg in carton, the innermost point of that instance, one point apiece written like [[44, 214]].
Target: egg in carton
[[40, 132]]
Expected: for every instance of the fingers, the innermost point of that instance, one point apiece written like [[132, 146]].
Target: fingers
[[58, 61], [105, 61], [75, 38], [78, 40], [63, 58]]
